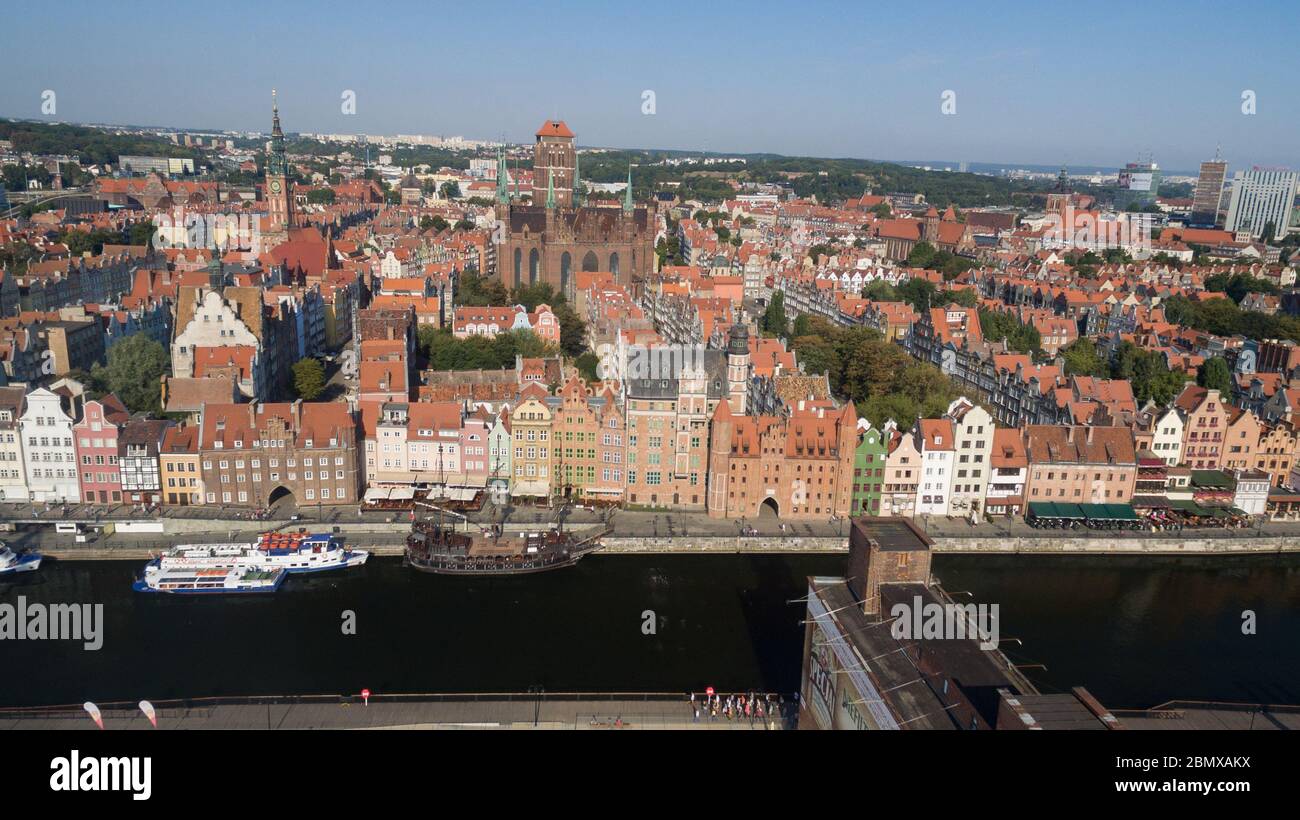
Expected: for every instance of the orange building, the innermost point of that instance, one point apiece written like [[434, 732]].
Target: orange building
[[800, 467]]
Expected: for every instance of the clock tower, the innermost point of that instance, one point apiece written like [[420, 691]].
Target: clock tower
[[279, 203]]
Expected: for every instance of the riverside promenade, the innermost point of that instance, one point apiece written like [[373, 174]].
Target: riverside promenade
[[634, 532], [572, 711]]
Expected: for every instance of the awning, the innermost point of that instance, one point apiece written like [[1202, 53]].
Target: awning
[[401, 494], [377, 494]]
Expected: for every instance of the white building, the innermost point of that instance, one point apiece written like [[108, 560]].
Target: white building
[[1260, 197], [1167, 438], [49, 457], [935, 438], [973, 430], [13, 478], [1251, 495]]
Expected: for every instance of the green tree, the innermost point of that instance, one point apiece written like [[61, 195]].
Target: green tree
[[919, 293], [1081, 359], [588, 365], [922, 255], [774, 319], [880, 291], [134, 373], [1215, 375], [308, 379]]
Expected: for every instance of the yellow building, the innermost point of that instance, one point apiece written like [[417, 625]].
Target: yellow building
[[179, 476], [533, 459]]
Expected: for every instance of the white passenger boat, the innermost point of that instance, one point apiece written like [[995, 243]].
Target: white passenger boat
[[14, 562], [209, 581]]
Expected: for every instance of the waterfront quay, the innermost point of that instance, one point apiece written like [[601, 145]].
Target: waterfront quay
[[631, 532], [571, 711]]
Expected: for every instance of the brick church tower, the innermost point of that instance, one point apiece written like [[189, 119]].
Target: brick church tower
[[556, 235], [554, 163]]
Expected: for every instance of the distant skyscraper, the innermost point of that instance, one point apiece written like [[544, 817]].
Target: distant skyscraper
[[1209, 191], [1139, 184], [1262, 197]]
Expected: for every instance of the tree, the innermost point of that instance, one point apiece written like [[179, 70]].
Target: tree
[[922, 255], [880, 291], [573, 331], [882, 210], [473, 290], [1215, 375], [589, 366], [918, 293], [134, 373], [308, 379], [142, 233], [1081, 359], [817, 355], [1022, 338], [774, 319], [450, 190]]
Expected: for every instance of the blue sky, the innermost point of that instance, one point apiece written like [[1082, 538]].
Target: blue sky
[[1095, 84]]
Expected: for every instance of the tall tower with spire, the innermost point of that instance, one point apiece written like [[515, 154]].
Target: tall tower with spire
[[503, 183], [627, 194], [279, 203]]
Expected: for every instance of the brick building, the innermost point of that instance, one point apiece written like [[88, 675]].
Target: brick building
[[253, 455]]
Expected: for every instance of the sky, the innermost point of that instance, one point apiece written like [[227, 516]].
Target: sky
[[1091, 84]]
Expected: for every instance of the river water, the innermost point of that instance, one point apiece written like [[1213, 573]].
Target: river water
[[1135, 631]]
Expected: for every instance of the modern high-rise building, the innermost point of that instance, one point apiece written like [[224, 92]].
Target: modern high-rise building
[[1139, 184], [1209, 191], [1262, 197]]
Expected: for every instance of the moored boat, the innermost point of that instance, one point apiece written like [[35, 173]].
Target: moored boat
[[434, 548], [226, 567], [15, 562], [209, 580]]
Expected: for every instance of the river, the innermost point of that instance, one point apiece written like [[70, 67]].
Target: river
[[1136, 631]]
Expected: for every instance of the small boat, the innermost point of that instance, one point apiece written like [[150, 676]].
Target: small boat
[[15, 562], [212, 580]]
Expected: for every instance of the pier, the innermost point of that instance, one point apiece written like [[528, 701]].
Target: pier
[[580, 711]]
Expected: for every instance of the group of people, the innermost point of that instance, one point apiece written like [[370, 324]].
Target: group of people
[[749, 705]]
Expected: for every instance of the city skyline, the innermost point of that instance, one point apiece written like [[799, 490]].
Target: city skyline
[[879, 91]]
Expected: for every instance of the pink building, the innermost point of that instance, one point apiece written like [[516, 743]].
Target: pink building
[[95, 436]]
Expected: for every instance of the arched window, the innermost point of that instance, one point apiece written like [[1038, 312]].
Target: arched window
[[534, 261], [589, 262], [566, 264], [519, 256], [613, 263]]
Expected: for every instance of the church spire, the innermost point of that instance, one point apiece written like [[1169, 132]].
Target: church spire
[[275, 161], [627, 194], [503, 189], [577, 178], [550, 189]]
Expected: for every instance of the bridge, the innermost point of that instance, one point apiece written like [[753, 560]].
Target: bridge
[[20, 199]]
